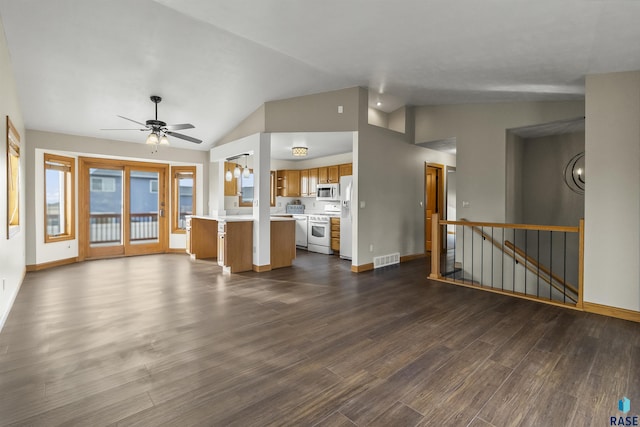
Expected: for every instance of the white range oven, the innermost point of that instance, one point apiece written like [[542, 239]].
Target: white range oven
[[319, 236]]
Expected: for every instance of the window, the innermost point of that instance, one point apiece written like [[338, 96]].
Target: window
[[183, 201], [59, 189], [153, 186], [102, 184], [246, 189]]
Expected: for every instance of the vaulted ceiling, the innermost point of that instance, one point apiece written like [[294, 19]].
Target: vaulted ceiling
[[79, 63]]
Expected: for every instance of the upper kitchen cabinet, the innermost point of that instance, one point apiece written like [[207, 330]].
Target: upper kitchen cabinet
[[230, 187], [313, 182], [273, 188], [334, 174], [288, 182], [304, 183], [328, 174], [345, 169]]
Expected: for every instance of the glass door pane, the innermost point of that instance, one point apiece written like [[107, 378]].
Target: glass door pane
[[144, 206], [105, 206]]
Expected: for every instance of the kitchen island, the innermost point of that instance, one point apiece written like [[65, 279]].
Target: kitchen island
[[229, 238]]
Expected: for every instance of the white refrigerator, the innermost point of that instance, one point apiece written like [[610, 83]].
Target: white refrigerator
[[346, 219]]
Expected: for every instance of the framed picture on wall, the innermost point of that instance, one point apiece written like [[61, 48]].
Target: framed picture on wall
[[13, 180]]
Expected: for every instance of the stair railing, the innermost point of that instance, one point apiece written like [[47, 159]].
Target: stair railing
[[529, 261]]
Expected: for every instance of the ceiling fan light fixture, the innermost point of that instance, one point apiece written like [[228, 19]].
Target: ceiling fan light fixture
[[152, 139], [299, 151], [164, 140]]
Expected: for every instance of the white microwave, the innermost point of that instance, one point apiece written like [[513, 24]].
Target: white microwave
[[328, 192]]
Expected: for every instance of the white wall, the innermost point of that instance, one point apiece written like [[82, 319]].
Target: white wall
[[12, 251], [480, 132], [258, 145], [74, 146], [612, 197]]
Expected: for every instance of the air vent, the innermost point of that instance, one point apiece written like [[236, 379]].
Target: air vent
[[384, 260]]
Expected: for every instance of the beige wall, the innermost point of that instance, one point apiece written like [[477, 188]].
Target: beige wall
[[390, 182], [12, 251], [612, 198], [314, 113], [480, 132], [254, 123], [75, 146]]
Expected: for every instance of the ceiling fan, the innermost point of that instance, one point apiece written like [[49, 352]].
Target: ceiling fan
[[159, 129]]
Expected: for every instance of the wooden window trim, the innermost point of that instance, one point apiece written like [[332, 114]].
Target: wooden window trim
[[176, 171], [67, 165]]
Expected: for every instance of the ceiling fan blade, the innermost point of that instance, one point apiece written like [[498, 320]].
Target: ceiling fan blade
[[134, 121], [180, 126], [125, 129], [185, 137]]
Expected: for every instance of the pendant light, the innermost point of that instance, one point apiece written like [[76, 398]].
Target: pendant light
[[236, 171], [246, 172], [228, 176]]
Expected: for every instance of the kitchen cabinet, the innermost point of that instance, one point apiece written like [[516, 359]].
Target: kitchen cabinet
[[323, 175], [289, 183], [333, 174], [345, 169], [313, 182], [280, 182], [335, 235], [230, 187], [201, 238], [235, 245], [304, 183], [272, 188], [283, 242]]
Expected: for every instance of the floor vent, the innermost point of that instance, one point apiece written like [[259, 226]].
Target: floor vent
[[384, 260]]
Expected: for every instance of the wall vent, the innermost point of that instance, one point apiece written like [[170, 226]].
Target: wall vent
[[384, 260]]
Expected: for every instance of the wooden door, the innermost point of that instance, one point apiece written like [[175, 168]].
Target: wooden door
[[434, 198], [123, 208]]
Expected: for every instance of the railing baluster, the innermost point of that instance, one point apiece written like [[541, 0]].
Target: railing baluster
[[564, 268], [502, 263], [526, 260], [550, 263], [538, 273], [482, 256], [492, 252]]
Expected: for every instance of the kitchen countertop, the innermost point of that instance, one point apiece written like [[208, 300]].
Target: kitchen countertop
[[238, 218]]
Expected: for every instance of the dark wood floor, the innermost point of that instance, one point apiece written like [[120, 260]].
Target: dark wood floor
[[165, 340]]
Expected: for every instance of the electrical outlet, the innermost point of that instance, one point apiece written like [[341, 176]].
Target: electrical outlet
[[340, 109], [371, 247]]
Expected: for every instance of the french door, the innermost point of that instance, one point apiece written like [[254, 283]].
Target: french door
[[123, 208]]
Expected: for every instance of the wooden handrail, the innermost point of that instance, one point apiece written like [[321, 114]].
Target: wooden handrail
[[560, 228], [512, 253], [537, 265]]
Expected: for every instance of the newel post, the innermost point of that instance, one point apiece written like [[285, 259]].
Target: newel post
[[580, 303], [436, 245]]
